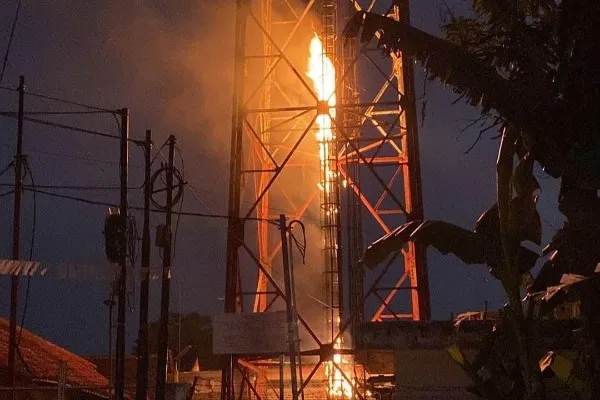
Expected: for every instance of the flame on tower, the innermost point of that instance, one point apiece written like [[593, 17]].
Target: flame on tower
[[322, 73]]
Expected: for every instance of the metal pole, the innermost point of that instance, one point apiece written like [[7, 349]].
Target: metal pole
[[142, 349], [233, 301], [414, 192], [163, 335], [290, 305], [111, 379], [281, 392], [110, 303], [14, 284], [295, 314], [122, 293]]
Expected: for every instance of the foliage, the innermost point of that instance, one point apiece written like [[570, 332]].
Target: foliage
[[535, 66], [480, 246], [536, 70]]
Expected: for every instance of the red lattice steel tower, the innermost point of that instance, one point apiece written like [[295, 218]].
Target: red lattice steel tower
[[360, 182]]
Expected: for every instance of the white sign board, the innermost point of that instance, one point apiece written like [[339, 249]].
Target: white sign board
[[256, 333]]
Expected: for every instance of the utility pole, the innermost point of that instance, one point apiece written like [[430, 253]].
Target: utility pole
[[110, 303], [122, 282], [142, 345], [290, 304], [163, 336], [16, 241]]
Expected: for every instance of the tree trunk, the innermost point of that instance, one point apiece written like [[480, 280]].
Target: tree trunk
[[509, 275]]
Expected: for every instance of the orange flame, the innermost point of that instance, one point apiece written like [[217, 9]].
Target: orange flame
[[338, 386], [322, 72]]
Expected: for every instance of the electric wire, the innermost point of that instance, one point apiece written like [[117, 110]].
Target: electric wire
[[32, 242], [182, 179], [65, 112], [31, 247], [6, 168], [195, 189], [301, 247], [180, 202], [74, 187], [73, 157], [107, 188], [132, 239], [73, 103], [180, 185], [154, 210], [159, 153], [74, 198], [10, 41], [64, 101], [94, 112], [118, 122], [70, 128]]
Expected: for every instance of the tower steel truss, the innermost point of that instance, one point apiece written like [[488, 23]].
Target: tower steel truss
[[365, 184]]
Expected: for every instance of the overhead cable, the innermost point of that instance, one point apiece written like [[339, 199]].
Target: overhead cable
[[59, 100], [6, 168], [72, 187], [71, 128], [183, 213], [10, 40], [73, 157], [6, 113]]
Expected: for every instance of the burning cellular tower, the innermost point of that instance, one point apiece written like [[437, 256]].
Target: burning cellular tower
[[309, 141]]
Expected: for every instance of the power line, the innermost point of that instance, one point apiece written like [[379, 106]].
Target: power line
[[180, 201], [31, 246], [73, 157], [71, 128], [106, 204], [80, 199], [73, 187], [159, 153], [6, 168], [7, 113], [10, 40], [59, 100], [194, 190], [73, 103]]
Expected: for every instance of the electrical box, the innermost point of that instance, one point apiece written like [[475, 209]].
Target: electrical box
[[114, 237]]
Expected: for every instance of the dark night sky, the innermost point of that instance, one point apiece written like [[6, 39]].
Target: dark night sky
[[171, 65]]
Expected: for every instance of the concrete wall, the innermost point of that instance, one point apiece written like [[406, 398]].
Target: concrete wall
[[429, 375]]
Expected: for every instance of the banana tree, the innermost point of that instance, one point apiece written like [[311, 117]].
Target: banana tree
[[535, 66]]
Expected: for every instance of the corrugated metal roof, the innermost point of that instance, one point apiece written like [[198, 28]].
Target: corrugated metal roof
[[40, 359]]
